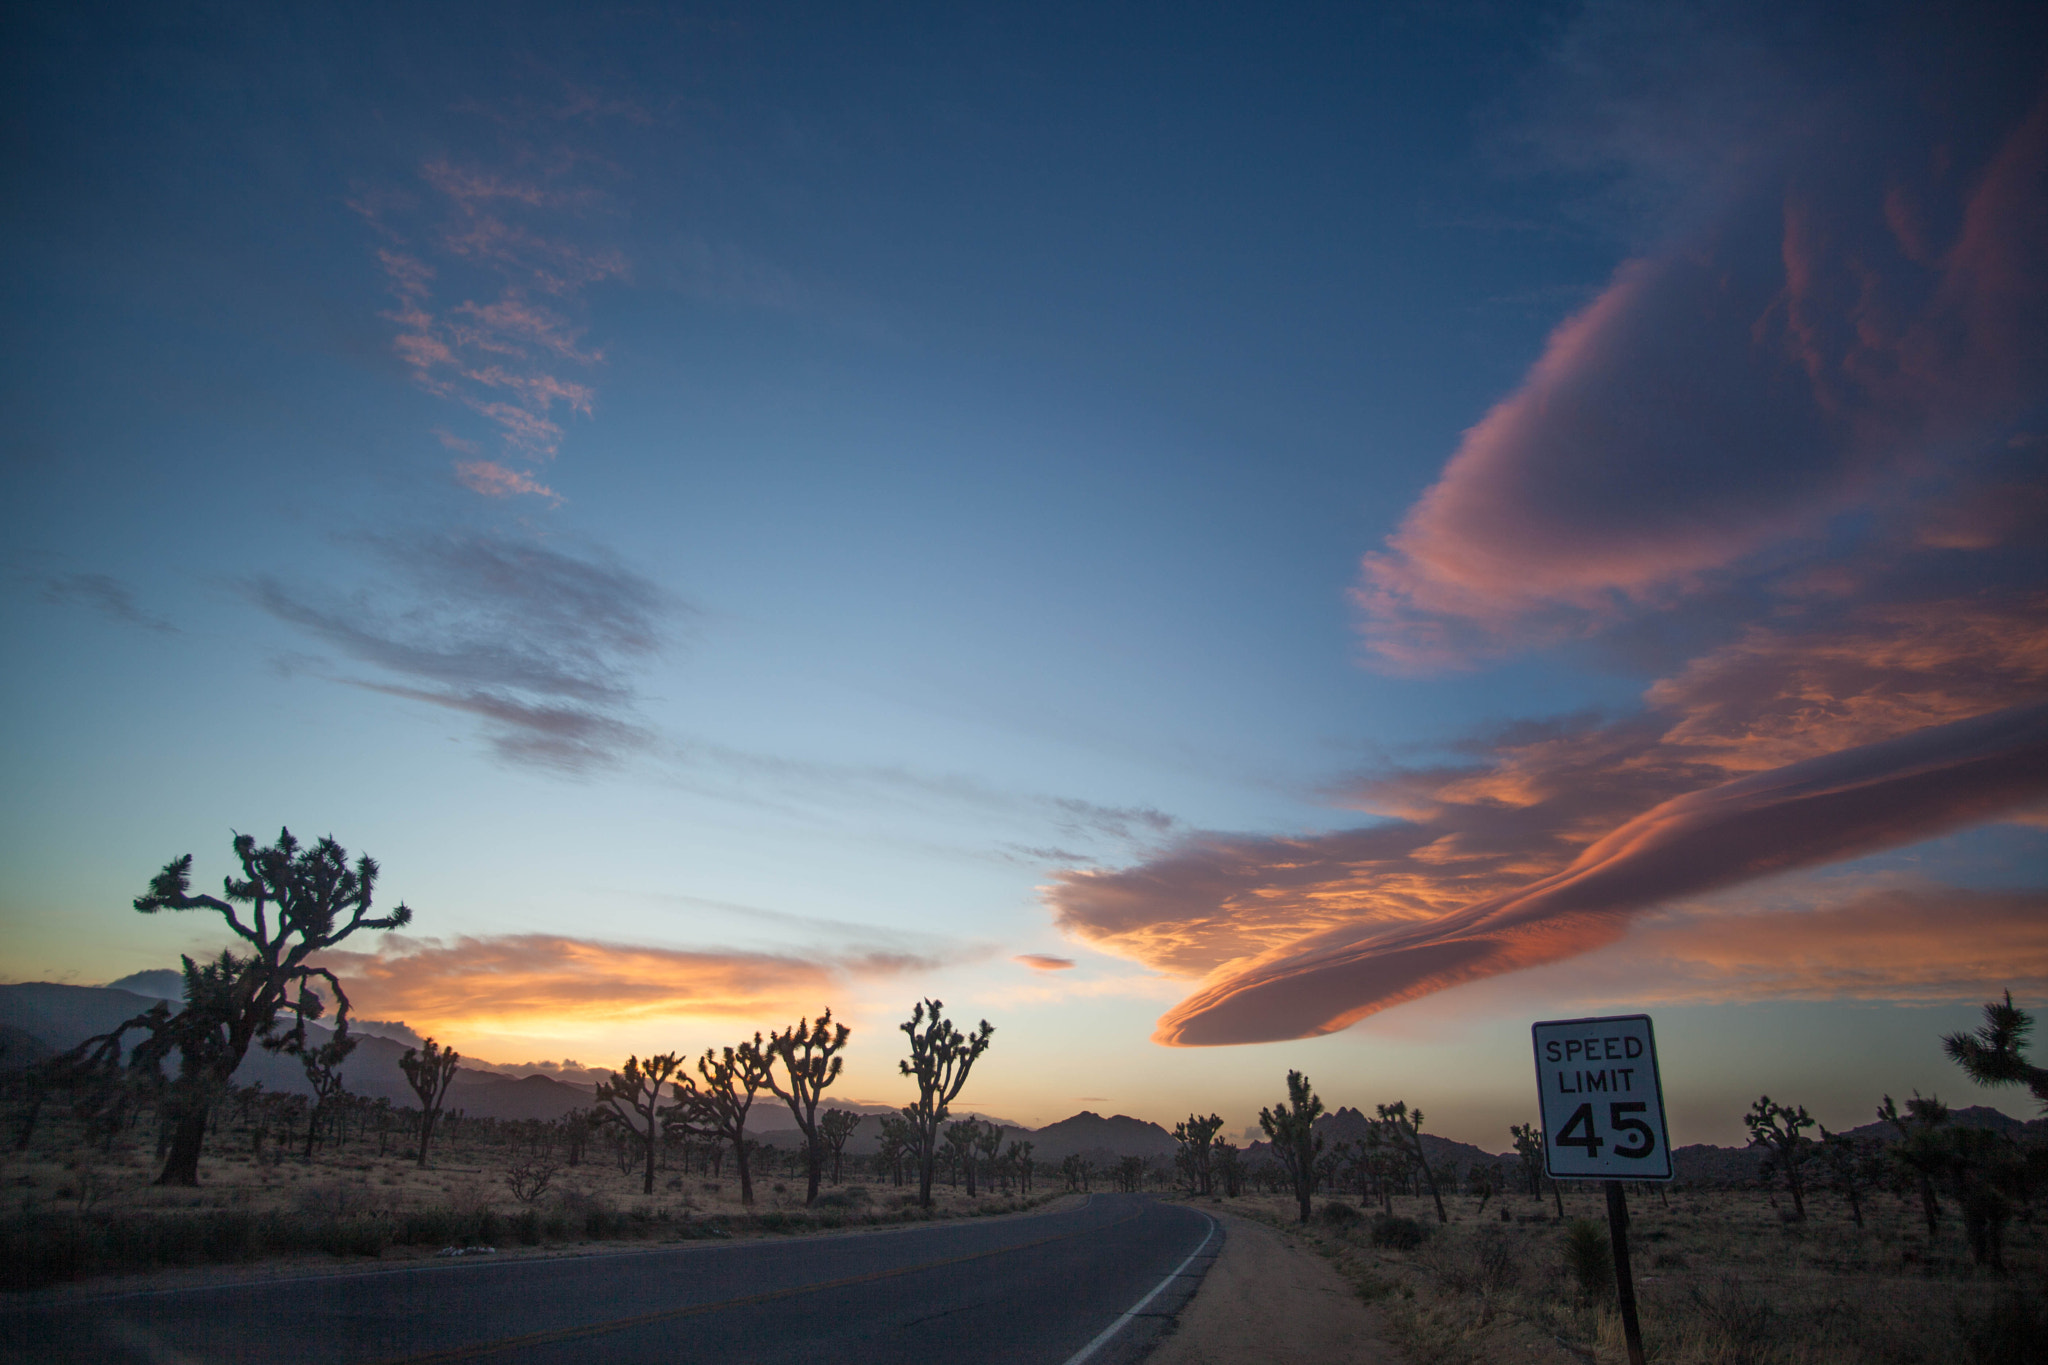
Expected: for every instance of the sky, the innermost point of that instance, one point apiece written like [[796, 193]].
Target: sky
[[1218, 540]]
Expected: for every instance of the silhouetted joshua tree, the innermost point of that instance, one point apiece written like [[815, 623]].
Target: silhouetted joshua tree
[[809, 1055], [718, 1108], [429, 1071], [940, 1058], [1292, 1127], [1921, 1150], [1406, 1126], [323, 1073], [1780, 1130], [630, 1099], [1196, 1138], [301, 902], [1996, 1053], [961, 1140], [836, 1127]]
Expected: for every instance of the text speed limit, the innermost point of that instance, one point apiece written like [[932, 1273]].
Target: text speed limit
[[1602, 1099]]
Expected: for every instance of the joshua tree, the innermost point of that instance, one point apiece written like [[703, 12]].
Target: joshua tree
[[1228, 1167], [429, 1071], [895, 1146], [837, 1126], [1529, 1157], [631, 1099], [1996, 1053], [1019, 1157], [302, 901], [961, 1140], [809, 1054], [1406, 1126], [1920, 1151], [1780, 1130], [940, 1058], [323, 1073], [718, 1108], [988, 1141], [1849, 1169], [1197, 1137], [1292, 1127]]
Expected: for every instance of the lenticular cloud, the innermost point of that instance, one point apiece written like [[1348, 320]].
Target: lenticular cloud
[[1818, 811]]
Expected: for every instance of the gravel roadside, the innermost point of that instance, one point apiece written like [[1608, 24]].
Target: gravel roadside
[[1268, 1300]]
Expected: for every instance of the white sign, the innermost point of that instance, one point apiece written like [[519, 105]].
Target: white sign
[[1602, 1100]]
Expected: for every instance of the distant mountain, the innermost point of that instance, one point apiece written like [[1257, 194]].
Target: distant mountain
[[160, 983], [1090, 1135], [1975, 1116], [1447, 1159], [59, 1017]]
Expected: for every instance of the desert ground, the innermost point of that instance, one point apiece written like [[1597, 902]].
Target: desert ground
[[1722, 1278], [80, 1210]]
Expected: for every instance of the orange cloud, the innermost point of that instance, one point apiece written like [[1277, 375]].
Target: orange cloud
[[1044, 962], [1916, 944], [1818, 811], [524, 983]]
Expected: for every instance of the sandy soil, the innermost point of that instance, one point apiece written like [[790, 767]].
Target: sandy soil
[[1268, 1300]]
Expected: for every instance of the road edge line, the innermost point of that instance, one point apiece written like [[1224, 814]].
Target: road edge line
[[1108, 1333]]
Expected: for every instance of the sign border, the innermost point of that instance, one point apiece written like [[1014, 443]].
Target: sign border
[[1656, 1076]]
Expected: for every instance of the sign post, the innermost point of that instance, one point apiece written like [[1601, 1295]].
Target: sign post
[[1602, 1102]]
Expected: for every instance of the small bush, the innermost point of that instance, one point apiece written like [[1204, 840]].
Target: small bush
[[1743, 1320], [1397, 1233], [1339, 1214], [1587, 1256]]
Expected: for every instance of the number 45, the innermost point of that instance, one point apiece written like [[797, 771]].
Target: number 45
[[1578, 1130]]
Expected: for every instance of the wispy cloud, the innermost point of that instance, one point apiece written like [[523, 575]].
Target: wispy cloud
[[487, 270], [105, 594], [1044, 962], [523, 983], [1830, 318], [539, 644], [1535, 800], [1804, 815]]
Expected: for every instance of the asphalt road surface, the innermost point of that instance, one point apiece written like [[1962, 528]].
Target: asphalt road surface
[[1103, 1279]]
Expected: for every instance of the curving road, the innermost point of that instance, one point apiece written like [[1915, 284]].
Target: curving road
[[1098, 1283]]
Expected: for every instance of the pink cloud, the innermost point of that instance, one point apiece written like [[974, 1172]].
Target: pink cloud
[[1044, 962], [1812, 352], [495, 481]]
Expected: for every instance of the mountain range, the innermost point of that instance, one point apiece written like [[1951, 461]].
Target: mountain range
[[41, 1018]]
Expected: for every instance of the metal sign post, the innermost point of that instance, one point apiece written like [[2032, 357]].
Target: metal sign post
[[1602, 1102]]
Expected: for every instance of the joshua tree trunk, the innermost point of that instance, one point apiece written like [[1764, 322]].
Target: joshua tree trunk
[[188, 1137]]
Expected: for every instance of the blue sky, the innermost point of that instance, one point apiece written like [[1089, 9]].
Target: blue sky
[[747, 509]]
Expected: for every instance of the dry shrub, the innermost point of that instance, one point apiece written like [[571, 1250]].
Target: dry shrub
[[1587, 1257], [1742, 1321]]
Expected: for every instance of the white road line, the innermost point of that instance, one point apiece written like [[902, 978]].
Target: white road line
[[1110, 1331]]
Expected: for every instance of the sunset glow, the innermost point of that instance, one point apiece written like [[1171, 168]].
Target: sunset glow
[[1220, 543]]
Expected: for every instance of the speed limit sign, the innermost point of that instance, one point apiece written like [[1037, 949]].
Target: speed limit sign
[[1602, 1099]]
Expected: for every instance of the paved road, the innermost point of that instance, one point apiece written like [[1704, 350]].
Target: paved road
[[1038, 1288]]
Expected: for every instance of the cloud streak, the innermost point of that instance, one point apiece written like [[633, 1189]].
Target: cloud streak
[[1803, 815], [523, 983], [539, 644], [514, 255], [105, 594]]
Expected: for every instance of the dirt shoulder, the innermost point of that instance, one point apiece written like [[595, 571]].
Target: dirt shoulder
[[1269, 1300]]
